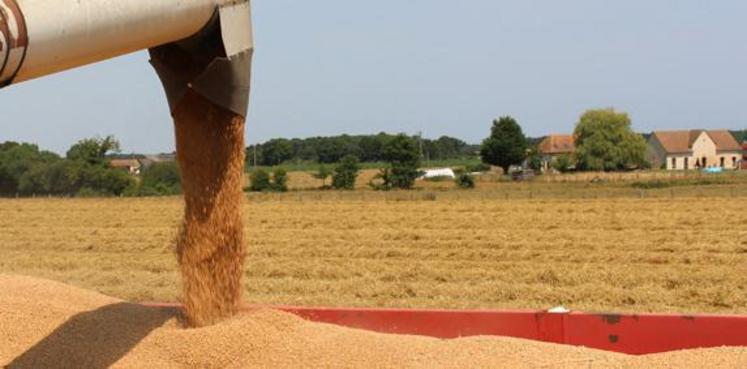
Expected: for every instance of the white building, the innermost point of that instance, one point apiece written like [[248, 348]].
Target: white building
[[437, 173]]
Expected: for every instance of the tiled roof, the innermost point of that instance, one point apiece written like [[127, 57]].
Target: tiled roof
[[125, 163], [724, 140], [674, 141], [557, 144], [682, 141]]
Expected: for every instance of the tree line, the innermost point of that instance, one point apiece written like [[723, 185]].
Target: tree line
[[401, 153], [604, 141], [85, 170], [367, 148]]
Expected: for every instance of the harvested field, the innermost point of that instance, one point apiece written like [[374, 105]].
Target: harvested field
[[685, 254], [46, 324]]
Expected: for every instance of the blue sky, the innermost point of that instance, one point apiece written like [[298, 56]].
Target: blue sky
[[441, 67]]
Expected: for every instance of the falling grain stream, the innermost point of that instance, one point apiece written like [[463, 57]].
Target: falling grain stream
[[210, 246]]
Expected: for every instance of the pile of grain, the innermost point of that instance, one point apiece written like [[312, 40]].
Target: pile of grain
[[46, 324], [210, 247]]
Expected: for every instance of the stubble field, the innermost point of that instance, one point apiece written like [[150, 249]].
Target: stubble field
[[629, 254]]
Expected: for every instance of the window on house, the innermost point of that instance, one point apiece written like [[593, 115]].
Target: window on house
[[687, 163], [705, 162], [734, 161], [674, 163], [723, 162]]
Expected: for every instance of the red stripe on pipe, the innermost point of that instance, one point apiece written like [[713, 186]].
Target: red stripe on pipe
[[631, 334]]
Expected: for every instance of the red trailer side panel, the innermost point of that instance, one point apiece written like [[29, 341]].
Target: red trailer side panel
[[635, 334]]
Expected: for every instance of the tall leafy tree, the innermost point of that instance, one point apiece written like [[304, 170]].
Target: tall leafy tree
[[260, 181], [346, 173], [605, 141], [279, 180], [506, 145], [93, 150], [91, 169], [403, 154]]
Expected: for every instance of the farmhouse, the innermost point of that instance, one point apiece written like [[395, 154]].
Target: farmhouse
[[553, 146], [694, 149], [132, 166]]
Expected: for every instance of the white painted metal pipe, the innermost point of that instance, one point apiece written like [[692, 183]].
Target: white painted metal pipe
[[40, 37]]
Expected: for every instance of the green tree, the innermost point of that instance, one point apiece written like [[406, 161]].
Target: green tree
[[322, 174], [465, 181], [506, 145], [101, 179], [63, 177], [93, 150], [279, 180], [740, 135], [444, 147], [91, 170], [403, 154], [260, 181], [16, 159], [331, 149], [605, 141], [371, 147], [27, 170], [562, 163], [35, 181], [161, 179], [346, 173], [276, 151], [368, 148]]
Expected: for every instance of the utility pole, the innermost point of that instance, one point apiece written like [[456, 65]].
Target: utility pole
[[422, 153]]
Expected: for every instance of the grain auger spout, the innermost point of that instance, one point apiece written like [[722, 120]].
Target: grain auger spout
[[204, 45], [202, 51]]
